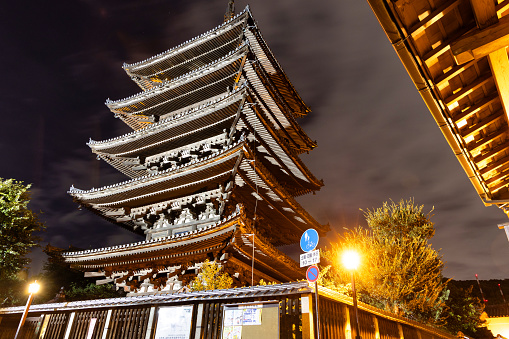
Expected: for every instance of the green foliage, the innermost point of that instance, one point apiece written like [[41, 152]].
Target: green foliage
[[211, 278], [17, 227], [90, 291], [463, 311], [400, 271], [57, 274]]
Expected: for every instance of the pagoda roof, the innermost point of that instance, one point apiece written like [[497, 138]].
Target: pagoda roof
[[204, 85], [182, 180], [213, 44], [455, 53], [198, 125], [226, 236], [254, 186]]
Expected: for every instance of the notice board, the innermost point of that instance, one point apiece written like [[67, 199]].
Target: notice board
[[174, 322], [251, 320]]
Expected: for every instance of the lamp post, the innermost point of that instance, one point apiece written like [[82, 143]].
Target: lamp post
[[33, 288], [351, 261]]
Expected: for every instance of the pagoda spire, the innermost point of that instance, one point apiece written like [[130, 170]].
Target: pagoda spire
[[230, 11]]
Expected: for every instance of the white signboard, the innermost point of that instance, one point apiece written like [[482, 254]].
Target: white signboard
[[310, 258], [174, 322]]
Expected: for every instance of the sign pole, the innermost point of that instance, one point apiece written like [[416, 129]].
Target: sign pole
[[308, 242], [317, 311]]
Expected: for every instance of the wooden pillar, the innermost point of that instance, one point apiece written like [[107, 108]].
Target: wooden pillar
[[150, 325], [107, 324], [69, 325], [308, 322]]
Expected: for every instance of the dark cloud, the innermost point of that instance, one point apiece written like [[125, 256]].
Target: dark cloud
[[377, 140]]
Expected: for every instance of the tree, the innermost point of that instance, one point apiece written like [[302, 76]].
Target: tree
[[401, 272], [211, 278], [463, 312], [17, 227]]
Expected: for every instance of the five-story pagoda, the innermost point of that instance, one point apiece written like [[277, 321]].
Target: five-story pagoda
[[213, 166]]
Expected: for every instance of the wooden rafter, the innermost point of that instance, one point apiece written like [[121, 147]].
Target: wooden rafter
[[436, 15], [494, 165], [468, 89], [454, 71], [466, 132], [494, 151], [477, 107], [487, 139]]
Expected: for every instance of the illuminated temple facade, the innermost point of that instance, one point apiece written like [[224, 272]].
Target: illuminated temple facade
[[212, 164]]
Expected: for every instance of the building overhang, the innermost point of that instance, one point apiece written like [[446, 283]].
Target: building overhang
[[455, 53]]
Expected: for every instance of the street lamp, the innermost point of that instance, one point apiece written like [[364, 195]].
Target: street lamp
[[351, 261], [33, 288]]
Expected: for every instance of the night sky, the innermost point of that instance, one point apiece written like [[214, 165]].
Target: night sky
[[376, 139]]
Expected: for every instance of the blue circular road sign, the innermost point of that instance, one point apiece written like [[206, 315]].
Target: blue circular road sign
[[312, 273], [309, 240]]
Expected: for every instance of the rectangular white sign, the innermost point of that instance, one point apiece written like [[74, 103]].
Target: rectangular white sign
[[310, 258], [174, 322]]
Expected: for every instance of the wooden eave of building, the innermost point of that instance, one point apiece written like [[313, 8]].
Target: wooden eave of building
[[191, 88], [183, 180], [210, 120], [455, 53], [213, 45], [226, 236], [187, 57]]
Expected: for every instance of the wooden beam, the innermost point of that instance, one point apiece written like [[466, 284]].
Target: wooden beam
[[502, 7], [480, 43], [445, 45], [475, 108], [494, 165], [494, 151], [484, 12], [487, 139], [466, 132], [436, 15], [495, 178], [457, 69], [499, 63], [481, 80]]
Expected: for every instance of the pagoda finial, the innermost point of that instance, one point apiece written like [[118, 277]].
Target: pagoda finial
[[230, 11]]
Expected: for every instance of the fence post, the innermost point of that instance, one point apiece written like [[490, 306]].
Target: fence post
[[308, 323]]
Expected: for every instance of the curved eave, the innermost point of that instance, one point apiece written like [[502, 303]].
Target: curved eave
[[141, 103], [461, 95], [289, 161], [229, 234], [174, 249], [142, 68], [276, 197], [150, 188], [277, 75]]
